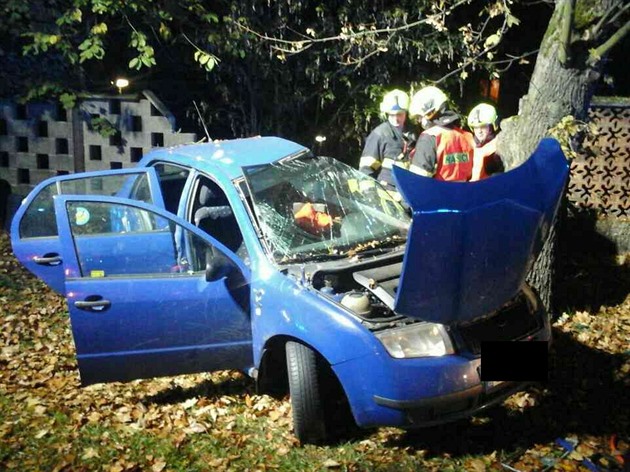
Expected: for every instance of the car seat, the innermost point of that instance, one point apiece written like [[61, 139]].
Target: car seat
[[214, 216]]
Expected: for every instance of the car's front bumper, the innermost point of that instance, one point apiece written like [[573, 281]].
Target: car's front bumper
[[453, 406], [383, 391]]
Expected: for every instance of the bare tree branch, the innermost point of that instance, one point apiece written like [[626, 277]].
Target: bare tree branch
[[597, 53], [299, 44], [538, 2], [511, 60], [606, 19], [621, 11], [476, 57], [468, 62], [289, 51]]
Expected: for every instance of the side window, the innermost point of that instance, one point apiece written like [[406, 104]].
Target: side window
[[39, 218], [120, 240], [141, 190], [172, 180], [211, 212]]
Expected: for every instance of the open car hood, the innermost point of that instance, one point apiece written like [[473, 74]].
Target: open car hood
[[471, 244]]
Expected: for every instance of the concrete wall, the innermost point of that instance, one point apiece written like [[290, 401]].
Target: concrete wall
[[41, 140], [32, 144]]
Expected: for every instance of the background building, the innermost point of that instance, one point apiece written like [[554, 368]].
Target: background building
[[41, 140]]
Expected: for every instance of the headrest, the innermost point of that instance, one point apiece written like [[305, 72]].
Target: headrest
[[205, 194]]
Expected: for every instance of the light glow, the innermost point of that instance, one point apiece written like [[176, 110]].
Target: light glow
[[121, 83]]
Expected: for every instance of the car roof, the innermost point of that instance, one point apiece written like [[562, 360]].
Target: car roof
[[230, 156]]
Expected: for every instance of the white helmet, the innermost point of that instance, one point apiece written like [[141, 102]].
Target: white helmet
[[394, 101], [482, 115], [426, 102]]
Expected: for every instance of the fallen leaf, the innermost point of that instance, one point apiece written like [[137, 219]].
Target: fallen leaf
[[189, 403], [158, 466], [89, 453], [195, 428], [331, 464], [475, 465]]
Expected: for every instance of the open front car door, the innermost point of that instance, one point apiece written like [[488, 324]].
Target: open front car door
[[148, 293]]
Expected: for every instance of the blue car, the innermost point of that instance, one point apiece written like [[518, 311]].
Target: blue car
[[255, 254]]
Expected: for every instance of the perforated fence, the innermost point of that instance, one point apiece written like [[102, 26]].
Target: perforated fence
[[601, 182]]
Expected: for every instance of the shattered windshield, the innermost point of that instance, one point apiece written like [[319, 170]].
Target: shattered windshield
[[316, 208]]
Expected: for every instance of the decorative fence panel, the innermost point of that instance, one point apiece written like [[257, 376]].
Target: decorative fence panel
[[602, 182]]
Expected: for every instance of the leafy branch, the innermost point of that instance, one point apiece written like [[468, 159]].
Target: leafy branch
[[103, 126], [146, 53], [204, 58]]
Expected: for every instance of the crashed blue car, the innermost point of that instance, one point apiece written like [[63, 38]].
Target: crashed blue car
[[256, 255]]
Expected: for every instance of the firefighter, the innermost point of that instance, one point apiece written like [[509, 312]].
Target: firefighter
[[482, 120], [390, 143], [444, 150]]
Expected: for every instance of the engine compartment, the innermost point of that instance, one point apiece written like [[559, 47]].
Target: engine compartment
[[367, 289]]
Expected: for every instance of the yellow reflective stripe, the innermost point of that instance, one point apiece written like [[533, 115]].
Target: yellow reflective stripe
[[396, 195], [353, 185], [366, 184], [382, 193], [369, 161], [388, 162], [420, 171]]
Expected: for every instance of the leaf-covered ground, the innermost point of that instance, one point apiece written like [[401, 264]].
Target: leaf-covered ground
[[217, 422]]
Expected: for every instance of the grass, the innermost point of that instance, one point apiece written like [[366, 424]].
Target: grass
[[216, 421]]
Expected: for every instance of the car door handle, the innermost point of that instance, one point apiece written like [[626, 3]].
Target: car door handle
[[93, 305], [51, 259]]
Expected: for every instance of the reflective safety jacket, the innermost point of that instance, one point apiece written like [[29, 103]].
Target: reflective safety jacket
[[454, 150], [486, 160], [482, 157]]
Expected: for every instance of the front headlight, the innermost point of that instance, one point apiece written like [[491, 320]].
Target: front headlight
[[417, 340]]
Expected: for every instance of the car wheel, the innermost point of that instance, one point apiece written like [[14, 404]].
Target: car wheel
[[305, 391]]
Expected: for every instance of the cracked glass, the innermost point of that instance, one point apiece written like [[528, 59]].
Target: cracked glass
[[316, 208]]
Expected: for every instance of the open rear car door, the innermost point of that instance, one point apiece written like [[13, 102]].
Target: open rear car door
[[34, 235]]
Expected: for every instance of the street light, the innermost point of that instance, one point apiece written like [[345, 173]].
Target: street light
[[121, 83], [319, 139]]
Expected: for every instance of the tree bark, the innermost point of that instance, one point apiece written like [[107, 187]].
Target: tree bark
[[555, 91]]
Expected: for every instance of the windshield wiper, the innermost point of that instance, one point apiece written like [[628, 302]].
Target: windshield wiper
[[377, 247], [313, 258]]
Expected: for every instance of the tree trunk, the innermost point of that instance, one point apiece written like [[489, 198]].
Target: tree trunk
[[556, 90]]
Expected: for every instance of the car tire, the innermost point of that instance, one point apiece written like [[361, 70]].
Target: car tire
[[305, 390]]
